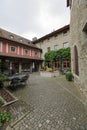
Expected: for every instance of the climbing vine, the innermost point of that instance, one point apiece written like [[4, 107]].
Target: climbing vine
[[60, 56]]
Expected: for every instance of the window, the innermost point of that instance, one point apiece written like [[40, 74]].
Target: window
[[0, 46], [56, 64], [13, 49], [36, 53], [25, 51], [29, 42], [66, 64], [55, 35], [65, 45], [48, 39], [11, 36], [65, 33], [48, 64], [21, 40], [48, 49], [55, 47]]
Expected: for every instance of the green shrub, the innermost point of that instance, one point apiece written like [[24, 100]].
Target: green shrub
[[2, 79], [69, 76], [4, 117], [1, 102]]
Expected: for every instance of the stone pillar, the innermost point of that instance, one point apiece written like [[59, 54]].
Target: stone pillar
[[10, 67], [20, 67], [39, 66], [31, 67]]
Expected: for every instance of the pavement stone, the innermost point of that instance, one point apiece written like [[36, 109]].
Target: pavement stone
[[49, 104]]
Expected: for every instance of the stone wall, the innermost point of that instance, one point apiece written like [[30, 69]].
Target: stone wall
[[79, 39], [54, 40]]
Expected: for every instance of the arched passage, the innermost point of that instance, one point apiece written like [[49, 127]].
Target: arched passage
[[76, 66]]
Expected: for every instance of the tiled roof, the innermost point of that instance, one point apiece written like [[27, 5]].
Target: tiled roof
[[16, 38], [52, 34]]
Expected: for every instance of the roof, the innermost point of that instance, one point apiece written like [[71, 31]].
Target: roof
[[52, 34], [16, 38]]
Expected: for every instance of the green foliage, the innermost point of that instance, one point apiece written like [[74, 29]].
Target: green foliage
[[4, 117], [1, 102], [2, 79], [69, 76], [4, 65], [50, 56], [60, 55], [63, 54]]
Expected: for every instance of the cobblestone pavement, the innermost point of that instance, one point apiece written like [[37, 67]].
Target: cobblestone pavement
[[49, 104]]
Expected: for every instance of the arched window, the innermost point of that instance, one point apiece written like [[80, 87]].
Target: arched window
[[76, 66]]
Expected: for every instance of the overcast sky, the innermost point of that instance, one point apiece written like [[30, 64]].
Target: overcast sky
[[33, 18]]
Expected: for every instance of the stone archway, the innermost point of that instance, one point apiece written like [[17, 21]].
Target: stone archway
[[76, 66]]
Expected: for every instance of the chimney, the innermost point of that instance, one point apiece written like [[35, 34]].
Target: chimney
[[34, 38]]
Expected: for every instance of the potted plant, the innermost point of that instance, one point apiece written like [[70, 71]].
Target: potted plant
[[69, 76]]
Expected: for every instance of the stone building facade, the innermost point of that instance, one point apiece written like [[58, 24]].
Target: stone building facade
[[78, 35], [55, 40], [18, 54]]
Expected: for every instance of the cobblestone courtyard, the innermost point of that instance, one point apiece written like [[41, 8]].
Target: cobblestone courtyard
[[49, 104]]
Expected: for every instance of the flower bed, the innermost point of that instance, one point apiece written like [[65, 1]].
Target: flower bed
[[7, 96]]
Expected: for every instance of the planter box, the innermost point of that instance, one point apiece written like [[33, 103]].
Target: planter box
[[49, 74]]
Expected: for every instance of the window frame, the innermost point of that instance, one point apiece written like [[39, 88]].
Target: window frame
[[11, 50], [48, 49], [11, 36], [65, 45], [65, 33], [25, 51], [57, 47]]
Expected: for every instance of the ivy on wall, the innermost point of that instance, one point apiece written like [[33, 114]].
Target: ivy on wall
[[60, 56]]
